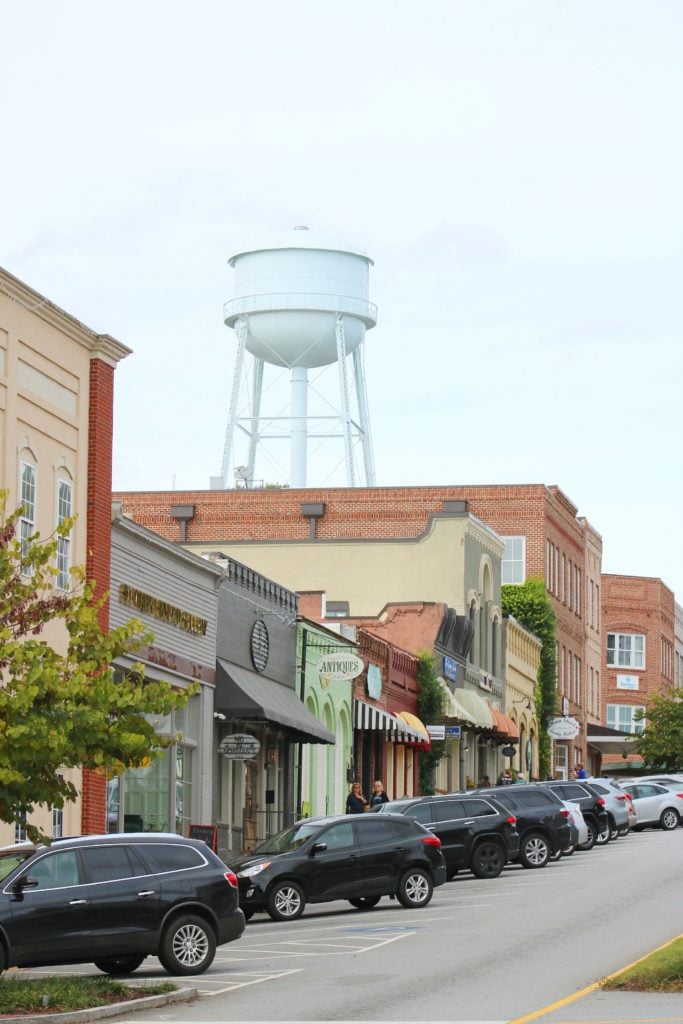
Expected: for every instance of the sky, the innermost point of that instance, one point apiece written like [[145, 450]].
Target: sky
[[513, 168]]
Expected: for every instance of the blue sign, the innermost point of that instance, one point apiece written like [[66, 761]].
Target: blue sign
[[453, 732], [374, 684], [450, 668]]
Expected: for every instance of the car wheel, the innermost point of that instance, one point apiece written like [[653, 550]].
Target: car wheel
[[669, 819], [415, 888], [117, 965], [613, 830], [555, 856], [286, 902], [568, 851], [592, 832], [188, 945], [603, 835], [365, 902], [534, 851], [488, 860], [623, 831], [3, 958], [248, 914]]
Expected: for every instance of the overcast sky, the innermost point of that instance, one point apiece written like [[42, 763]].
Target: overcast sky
[[514, 168]]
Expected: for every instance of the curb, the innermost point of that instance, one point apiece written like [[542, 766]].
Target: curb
[[181, 995]]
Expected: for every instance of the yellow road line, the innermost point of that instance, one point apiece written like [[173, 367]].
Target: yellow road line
[[589, 988]]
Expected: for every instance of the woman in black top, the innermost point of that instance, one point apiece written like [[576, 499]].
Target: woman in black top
[[355, 801]]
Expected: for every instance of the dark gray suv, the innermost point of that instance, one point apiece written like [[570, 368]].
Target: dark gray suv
[[114, 900]]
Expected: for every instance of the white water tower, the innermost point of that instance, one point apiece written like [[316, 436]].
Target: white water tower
[[299, 305]]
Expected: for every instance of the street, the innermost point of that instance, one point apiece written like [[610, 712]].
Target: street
[[484, 951]]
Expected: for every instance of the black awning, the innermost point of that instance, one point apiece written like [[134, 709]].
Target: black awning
[[248, 697], [611, 741]]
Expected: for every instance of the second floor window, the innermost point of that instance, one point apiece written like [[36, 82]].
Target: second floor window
[[622, 718], [626, 650], [28, 509], [513, 560], [64, 511]]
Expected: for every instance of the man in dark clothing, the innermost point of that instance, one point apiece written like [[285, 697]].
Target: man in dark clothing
[[378, 794]]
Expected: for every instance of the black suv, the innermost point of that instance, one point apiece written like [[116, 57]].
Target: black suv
[[113, 900], [592, 806], [542, 821], [358, 857], [475, 832]]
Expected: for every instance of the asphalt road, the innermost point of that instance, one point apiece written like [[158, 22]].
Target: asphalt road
[[482, 951]]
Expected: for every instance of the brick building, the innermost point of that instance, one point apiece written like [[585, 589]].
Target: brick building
[[638, 628], [56, 422], [540, 527]]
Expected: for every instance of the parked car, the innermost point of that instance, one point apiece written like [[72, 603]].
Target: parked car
[[656, 805], [618, 804], [114, 900], [592, 805], [475, 832], [579, 830], [358, 857], [542, 820]]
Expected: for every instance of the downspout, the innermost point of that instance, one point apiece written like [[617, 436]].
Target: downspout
[[302, 690]]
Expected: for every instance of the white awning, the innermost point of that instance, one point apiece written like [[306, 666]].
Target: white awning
[[454, 708], [477, 707]]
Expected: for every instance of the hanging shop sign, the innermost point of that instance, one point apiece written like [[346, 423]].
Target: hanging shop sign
[[374, 682], [486, 683], [453, 732], [528, 755], [340, 666], [562, 728], [239, 746], [509, 751], [436, 732]]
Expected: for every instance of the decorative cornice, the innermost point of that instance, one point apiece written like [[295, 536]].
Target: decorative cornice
[[100, 346]]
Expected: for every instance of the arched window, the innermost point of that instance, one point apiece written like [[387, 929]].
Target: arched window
[[64, 511], [27, 492]]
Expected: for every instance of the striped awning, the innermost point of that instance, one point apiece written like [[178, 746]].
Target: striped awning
[[367, 716], [477, 707], [504, 726]]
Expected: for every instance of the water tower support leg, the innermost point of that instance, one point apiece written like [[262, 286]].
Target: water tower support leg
[[346, 410], [362, 399], [255, 417], [242, 331], [299, 412]]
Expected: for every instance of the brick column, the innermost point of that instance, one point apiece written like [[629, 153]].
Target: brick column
[[98, 560]]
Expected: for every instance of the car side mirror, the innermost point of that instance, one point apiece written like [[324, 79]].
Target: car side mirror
[[25, 882], [318, 847]]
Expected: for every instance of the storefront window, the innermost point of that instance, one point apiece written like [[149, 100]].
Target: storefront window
[[146, 797], [183, 790]]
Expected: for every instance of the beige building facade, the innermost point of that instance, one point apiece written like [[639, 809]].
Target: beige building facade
[[56, 377]]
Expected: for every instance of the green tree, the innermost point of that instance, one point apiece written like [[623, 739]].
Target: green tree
[[65, 710], [430, 704], [661, 742], [529, 603]]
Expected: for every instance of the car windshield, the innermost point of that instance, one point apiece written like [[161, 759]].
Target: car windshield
[[11, 860], [289, 839]]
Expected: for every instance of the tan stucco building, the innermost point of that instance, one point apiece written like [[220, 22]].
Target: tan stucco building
[[56, 408]]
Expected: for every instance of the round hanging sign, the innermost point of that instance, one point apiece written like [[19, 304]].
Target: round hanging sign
[[508, 751], [562, 728], [239, 746]]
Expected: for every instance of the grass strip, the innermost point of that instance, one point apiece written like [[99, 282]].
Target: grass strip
[[660, 972], [60, 995]]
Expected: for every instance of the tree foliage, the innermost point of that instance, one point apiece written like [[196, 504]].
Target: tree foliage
[[430, 709], [529, 603], [64, 710], [661, 742]]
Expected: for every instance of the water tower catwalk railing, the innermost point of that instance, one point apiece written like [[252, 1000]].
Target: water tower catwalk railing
[[299, 329]]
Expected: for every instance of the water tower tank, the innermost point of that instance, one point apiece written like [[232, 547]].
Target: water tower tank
[[299, 303], [293, 294]]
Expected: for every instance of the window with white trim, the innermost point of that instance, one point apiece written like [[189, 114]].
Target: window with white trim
[[64, 511], [622, 718], [626, 650], [20, 828], [57, 821], [27, 525], [513, 566]]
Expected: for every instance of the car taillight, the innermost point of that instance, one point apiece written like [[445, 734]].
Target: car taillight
[[431, 841], [629, 796], [621, 797], [680, 796], [511, 820], [564, 812], [600, 802], [231, 878]]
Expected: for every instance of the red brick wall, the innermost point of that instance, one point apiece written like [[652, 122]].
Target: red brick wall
[[98, 560], [642, 605]]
